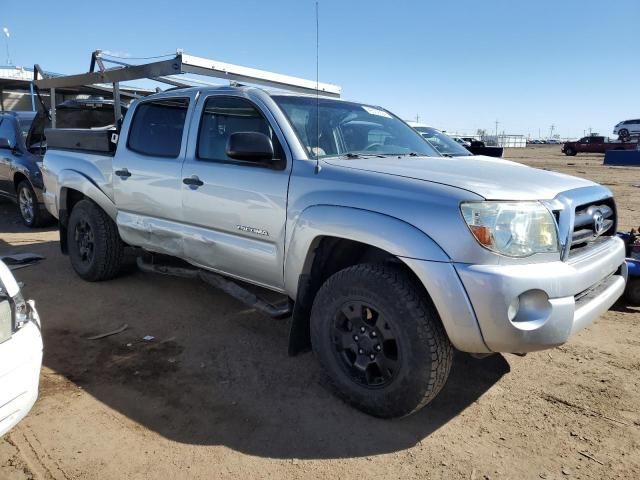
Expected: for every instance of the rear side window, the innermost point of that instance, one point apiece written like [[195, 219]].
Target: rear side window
[[223, 116], [157, 127]]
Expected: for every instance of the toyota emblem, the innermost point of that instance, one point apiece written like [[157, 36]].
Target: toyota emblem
[[598, 223]]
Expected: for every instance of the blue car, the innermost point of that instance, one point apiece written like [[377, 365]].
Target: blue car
[[20, 176]]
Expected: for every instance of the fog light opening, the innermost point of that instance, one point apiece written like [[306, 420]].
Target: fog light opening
[[530, 310]]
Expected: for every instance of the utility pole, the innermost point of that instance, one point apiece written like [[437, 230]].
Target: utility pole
[[417, 118], [497, 123], [589, 131], [6, 41], [551, 130]]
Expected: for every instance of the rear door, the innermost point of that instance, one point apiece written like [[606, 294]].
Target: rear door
[[582, 145], [236, 213], [146, 173]]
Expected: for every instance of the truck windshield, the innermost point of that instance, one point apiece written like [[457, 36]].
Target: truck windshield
[[444, 144], [341, 128]]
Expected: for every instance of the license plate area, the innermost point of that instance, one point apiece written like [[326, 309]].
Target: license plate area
[[6, 321]]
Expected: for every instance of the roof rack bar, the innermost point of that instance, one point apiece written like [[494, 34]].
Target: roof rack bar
[[132, 72], [180, 64], [213, 68]]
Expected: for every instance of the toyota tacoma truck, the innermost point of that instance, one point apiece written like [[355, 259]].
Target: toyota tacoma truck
[[387, 255]]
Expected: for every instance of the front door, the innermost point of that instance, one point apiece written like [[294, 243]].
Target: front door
[[234, 211], [8, 131], [146, 174]]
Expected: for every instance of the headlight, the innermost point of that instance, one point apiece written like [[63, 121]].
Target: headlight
[[515, 229]]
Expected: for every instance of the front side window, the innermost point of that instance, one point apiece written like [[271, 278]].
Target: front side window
[[332, 128], [157, 127], [223, 116], [7, 130]]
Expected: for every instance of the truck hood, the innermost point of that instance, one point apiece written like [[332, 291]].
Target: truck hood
[[491, 178]]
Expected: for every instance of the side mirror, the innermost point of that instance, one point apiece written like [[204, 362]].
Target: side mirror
[[250, 147], [5, 144]]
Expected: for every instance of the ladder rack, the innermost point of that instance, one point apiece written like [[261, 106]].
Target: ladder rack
[[168, 71]]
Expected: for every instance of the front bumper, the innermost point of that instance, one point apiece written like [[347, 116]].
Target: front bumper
[[523, 308], [20, 363]]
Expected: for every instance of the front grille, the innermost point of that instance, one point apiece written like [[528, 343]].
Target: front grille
[[591, 222]]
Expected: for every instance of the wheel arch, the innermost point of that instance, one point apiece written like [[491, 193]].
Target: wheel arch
[[18, 177], [327, 239], [75, 187]]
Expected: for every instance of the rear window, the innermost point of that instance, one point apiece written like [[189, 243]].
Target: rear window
[[157, 127]]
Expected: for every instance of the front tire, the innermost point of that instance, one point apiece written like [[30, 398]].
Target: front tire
[[570, 152], [380, 340], [95, 248], [632, 292]]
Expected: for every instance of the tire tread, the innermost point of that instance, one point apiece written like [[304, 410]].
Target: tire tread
[[112, 248], [417, 302]]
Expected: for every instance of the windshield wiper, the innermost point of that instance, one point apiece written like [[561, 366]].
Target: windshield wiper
[[362, 155], [405, 154]]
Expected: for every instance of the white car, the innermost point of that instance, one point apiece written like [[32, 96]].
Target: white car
[[444, 144], [20, 352], [627, 128]]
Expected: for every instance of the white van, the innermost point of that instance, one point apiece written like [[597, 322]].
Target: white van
[[20, 352]]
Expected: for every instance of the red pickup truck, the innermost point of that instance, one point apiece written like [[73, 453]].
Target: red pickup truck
[[595, 144]]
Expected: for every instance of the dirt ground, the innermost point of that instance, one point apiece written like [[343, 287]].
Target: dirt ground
[[216, 396]]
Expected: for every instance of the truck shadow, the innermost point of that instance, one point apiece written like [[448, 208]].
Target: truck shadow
[[275, 407], [215, 373]]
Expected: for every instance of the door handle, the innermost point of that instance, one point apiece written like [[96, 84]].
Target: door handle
[[124, 173], [193, 181]]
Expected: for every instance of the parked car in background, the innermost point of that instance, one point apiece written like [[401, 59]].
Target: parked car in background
[[627, 128], [462, 142], [444, 144], [474, 142], [595, 144], [20, 176], [20, 352]]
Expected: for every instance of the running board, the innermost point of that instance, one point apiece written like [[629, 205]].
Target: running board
[[221, 283]]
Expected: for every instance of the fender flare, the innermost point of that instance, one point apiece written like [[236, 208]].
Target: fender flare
[[385, 232], [74, 180]]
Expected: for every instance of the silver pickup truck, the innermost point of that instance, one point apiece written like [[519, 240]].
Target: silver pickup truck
[[387, 254]]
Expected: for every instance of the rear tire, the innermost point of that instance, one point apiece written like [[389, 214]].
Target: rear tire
[[29, 207], [623, 134], [380, 340], [570, 152], [95, 248]]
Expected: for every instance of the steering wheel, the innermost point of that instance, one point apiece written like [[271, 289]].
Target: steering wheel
[[373, 146]]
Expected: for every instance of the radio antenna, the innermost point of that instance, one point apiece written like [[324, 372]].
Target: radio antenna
[[317, 149]]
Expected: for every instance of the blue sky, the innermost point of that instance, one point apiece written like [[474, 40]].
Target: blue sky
[[458, 65]]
